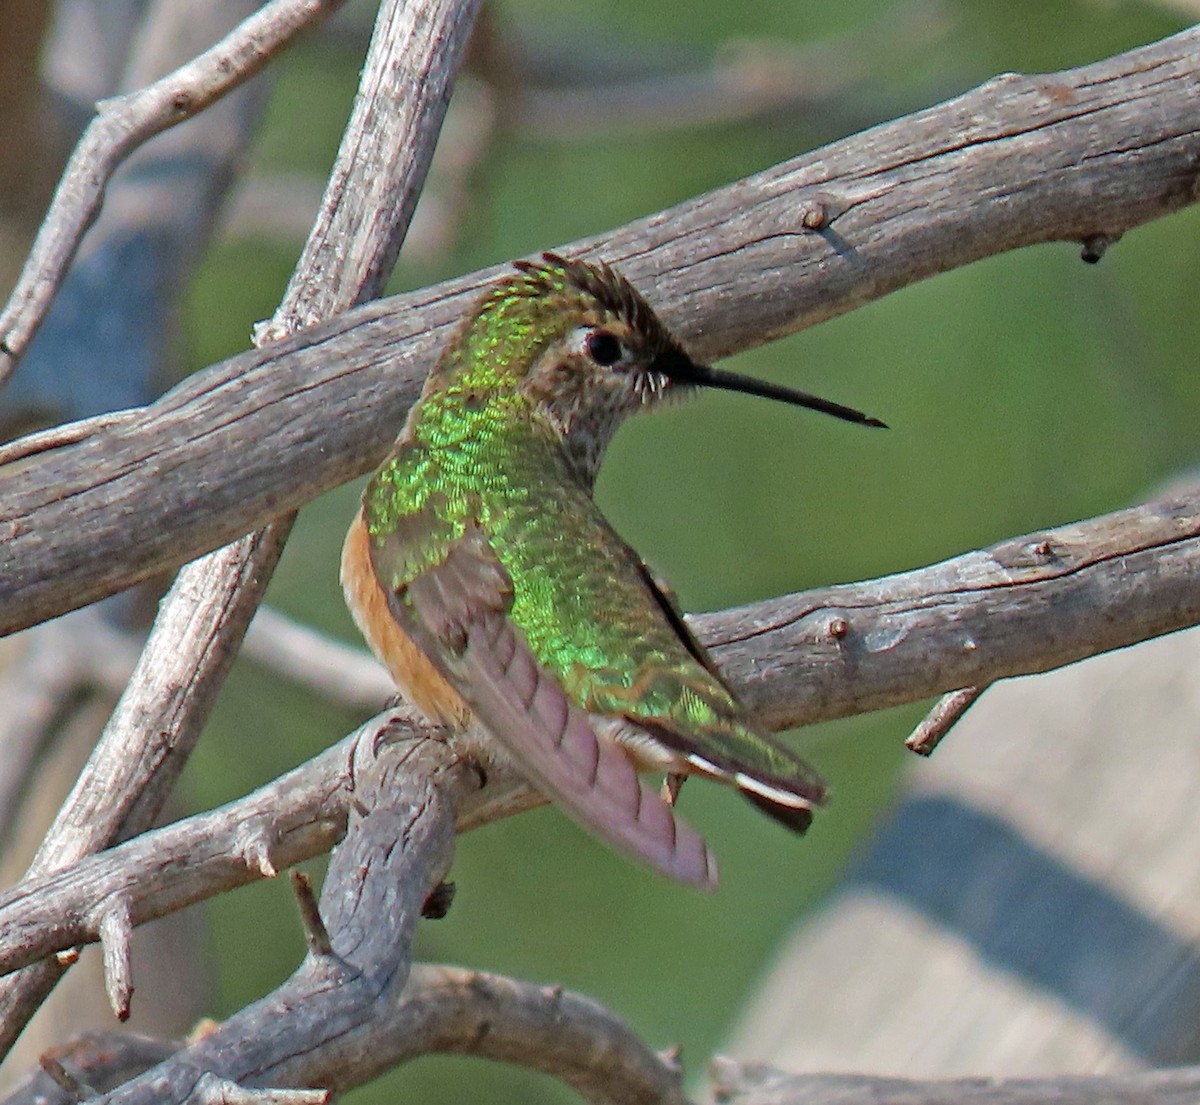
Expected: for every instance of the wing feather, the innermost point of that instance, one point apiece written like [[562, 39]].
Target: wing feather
[[768, 773], [457, 612]]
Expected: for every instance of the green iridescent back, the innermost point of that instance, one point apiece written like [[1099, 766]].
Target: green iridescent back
[[578, 591], [477, 450]]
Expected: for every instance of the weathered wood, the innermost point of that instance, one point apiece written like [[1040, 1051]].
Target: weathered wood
[[1024, 605], [451, 1010], [398, 850], [1020, 160], [382, 163], [298, 816], [201, 621], [344, 1018], [158, 217]]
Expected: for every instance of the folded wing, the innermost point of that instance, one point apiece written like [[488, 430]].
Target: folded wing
[[457, 612]]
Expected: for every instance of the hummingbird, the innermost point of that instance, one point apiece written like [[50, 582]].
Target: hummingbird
[[505, 606]]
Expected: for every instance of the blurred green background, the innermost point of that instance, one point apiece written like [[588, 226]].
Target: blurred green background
[[1024, 391]]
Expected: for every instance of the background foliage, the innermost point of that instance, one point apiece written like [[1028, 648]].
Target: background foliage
[[1024, 391]]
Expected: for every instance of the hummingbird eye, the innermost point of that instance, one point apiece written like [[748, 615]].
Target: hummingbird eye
[[603, 348]]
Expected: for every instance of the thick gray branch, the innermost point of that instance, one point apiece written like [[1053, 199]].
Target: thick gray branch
[[1027, 604], [453, 1010], [382, 163], [201, 622], [1081, 155], [297, 816], [395, 854]]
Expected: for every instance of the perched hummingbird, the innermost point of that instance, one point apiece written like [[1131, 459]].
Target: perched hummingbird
[[489, 584]]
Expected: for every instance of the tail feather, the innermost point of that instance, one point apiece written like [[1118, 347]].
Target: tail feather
[[796, 818], [788, 801]]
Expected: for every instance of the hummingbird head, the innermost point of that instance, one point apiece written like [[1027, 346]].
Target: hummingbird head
[[606, 354], [587, 350]]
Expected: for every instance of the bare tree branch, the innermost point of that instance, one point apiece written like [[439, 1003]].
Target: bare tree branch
[[308, 1032], [443, 1010], [417, 45], [297, 816], [97, 1060], [347, 1015], [945, 714], [62, 662], [109, 1059], [122, 125], [1027, 604], [545, 1028], [1021, 160], [381, 166]]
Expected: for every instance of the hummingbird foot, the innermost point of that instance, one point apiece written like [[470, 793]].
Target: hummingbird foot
[[401, 729]]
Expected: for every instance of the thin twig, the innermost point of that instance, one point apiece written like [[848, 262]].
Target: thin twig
[[316, 936], [93, 1063], [116, 932], [123, 123], [968, 178], [71, 1084], [944, 715]]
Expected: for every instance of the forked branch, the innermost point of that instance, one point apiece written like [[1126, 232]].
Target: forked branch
[[808, 239]]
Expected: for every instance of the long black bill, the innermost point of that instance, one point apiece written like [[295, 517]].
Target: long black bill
[[687, 371]]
